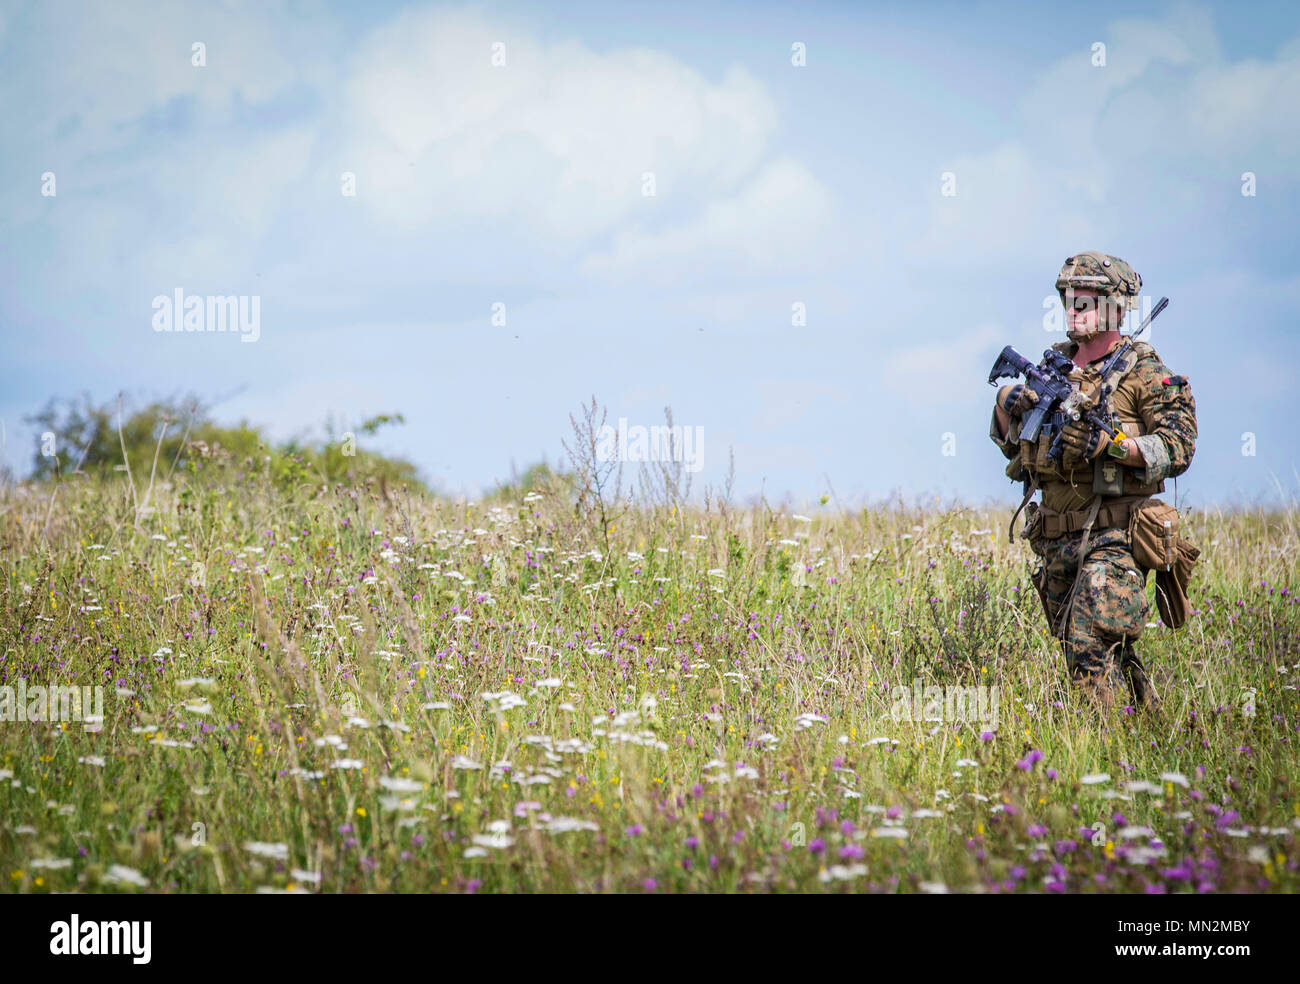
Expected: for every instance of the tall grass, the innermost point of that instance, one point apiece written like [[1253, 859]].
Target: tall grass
[[338, 689]]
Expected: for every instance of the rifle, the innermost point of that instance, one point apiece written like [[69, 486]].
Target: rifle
[[1058, 397]]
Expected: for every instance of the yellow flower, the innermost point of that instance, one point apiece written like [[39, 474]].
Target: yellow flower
[[361, 811]]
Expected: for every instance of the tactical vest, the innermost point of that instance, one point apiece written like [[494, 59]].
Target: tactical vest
[[1109, 477]]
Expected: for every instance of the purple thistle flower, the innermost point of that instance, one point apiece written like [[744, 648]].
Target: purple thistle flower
[[1028, 761]]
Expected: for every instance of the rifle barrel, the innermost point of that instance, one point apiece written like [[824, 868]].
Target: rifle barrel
[[1160, 306]]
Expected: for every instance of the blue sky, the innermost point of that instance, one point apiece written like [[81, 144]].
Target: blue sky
[[522, 184]]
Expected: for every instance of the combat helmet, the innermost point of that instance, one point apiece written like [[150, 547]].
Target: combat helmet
[[1101, 272]]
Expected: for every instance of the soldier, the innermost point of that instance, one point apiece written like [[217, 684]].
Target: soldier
[[1098, 607]]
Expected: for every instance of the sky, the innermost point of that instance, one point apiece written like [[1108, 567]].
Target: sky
[[854, 207]]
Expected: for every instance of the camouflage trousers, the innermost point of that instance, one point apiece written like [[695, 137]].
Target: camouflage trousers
[[1109, 609]]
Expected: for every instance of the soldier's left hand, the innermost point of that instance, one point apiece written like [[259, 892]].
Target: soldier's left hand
[[1083, 442]]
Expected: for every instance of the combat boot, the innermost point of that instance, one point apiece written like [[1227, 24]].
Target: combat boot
[[1099, 689], [1139, 684]]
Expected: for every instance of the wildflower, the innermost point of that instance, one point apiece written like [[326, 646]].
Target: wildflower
[[120, 874], [1028, 761]]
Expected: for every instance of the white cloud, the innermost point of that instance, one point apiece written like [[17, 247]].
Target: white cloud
[[774, 222], [1009, 205], [179, 168], [1243, 113], [558, 138], [107, 65], [1061, 111], [1090, 141]]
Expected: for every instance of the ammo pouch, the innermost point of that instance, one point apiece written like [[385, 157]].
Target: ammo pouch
[[1153, 531], [1033, 531]]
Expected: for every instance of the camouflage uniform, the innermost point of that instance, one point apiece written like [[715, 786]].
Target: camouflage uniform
[[1109, 608]]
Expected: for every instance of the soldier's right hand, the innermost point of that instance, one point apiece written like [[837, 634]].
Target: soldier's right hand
[[1017, 400]]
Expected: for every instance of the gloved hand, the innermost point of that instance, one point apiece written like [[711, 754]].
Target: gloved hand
[[1082, 442], [1017, 400]]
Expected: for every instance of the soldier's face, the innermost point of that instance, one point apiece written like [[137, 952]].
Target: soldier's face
[[1088, 314]]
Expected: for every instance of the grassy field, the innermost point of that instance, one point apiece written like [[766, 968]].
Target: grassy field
[[335, 690]]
